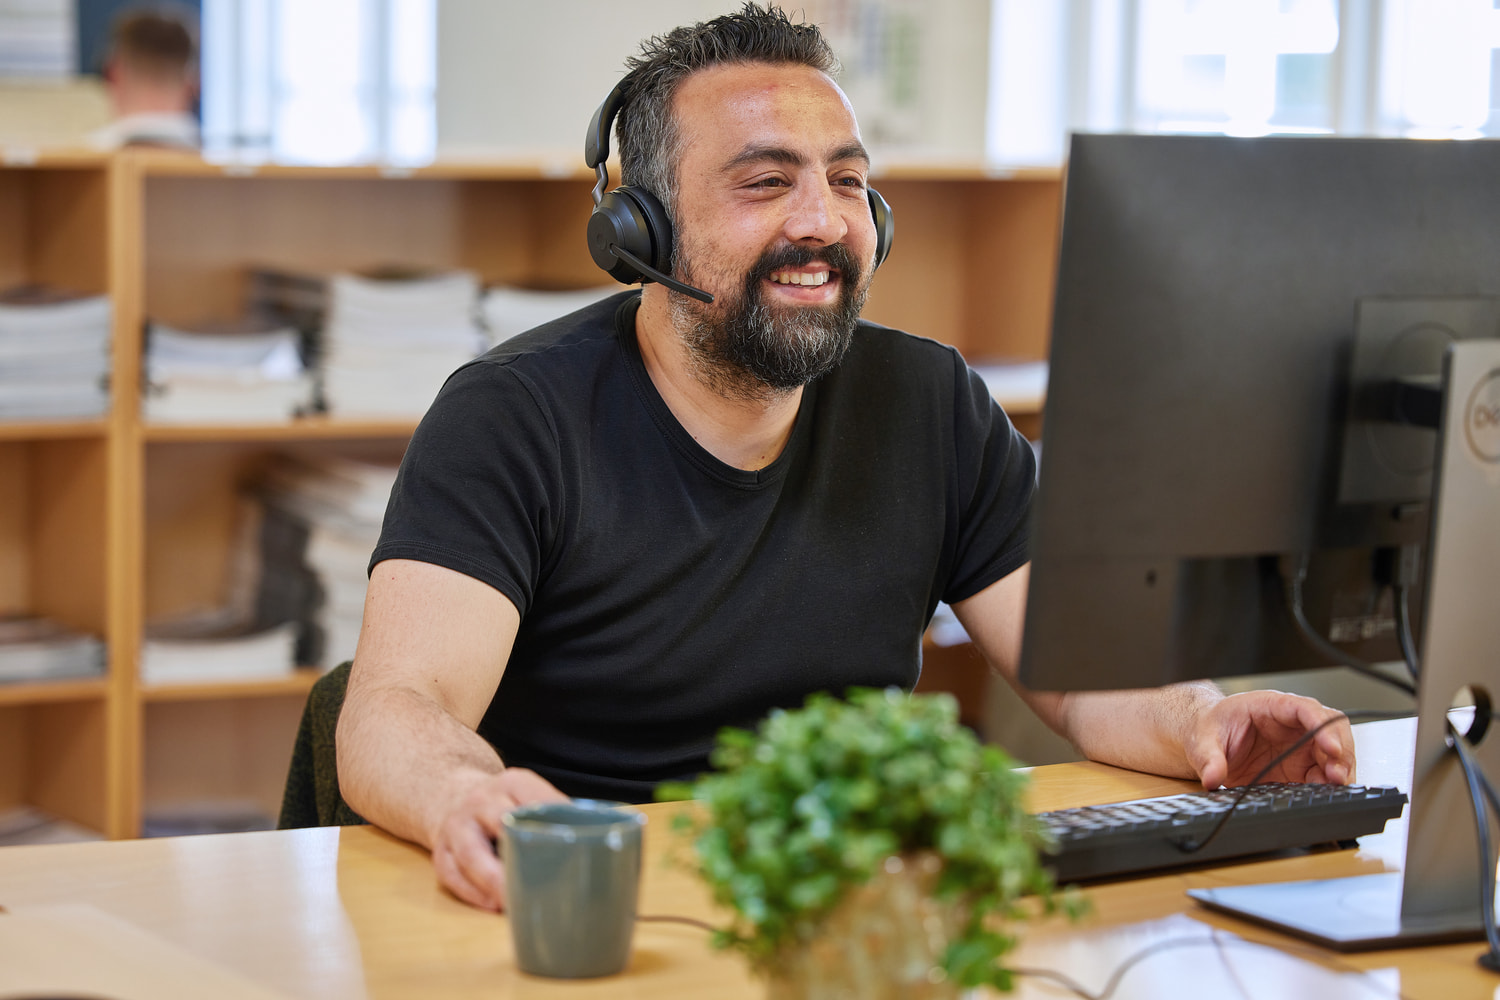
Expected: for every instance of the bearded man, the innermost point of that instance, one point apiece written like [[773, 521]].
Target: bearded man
[[656, 517]]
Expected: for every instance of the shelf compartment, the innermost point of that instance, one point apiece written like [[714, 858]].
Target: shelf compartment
[[206, 232], [973, 264], [226, 747], [52, 530], [52, 226], [52, 755]]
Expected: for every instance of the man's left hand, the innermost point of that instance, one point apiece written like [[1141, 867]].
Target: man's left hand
[[1230, 741]]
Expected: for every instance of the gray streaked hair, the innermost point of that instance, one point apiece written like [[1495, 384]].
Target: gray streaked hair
[[649, 136]]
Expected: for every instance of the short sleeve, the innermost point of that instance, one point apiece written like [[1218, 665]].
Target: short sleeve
[[996, 476], [478, 490]]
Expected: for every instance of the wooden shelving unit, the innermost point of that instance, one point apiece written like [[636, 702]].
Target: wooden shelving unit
[[107, 524]]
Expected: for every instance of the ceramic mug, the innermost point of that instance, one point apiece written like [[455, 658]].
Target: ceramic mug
[[572, 877]]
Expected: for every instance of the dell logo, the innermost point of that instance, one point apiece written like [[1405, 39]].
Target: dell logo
[[1482, 418]]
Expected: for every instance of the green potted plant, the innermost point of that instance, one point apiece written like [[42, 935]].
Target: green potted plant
[[866, 847]]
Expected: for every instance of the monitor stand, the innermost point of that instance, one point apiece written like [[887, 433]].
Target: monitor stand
[[1437, 896]]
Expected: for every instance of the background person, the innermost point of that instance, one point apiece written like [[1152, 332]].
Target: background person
[[151, 74]]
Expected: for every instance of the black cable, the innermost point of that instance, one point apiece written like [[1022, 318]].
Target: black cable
[[1475, 782], [1489, 790], [672, 918], [1193, 846], [1404, 633], [1293, 578]]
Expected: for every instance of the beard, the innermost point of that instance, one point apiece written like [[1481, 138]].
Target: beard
[[752, 351]]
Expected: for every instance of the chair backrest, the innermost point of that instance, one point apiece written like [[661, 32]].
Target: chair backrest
[[312, 797]]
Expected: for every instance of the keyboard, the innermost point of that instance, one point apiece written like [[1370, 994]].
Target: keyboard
[[1146, 835]]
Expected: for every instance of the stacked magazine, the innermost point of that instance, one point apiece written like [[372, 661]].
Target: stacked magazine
[[225, 377], [39, 649], [194, 652], [54, 354], [339, 504], [231, 640], [385, 341], [508, 310]]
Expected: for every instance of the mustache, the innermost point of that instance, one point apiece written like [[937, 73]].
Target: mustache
[[835, 255]]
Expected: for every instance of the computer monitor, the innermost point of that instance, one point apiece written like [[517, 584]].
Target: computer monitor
[[1231, 322]]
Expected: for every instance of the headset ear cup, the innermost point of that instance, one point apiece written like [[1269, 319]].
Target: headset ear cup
[[632, 219], [660, 227], [885, 226]]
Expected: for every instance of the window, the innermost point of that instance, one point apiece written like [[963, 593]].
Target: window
[[1416, 68], [338, 81]]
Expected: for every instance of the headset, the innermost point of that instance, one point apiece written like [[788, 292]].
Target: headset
[[629, 234]]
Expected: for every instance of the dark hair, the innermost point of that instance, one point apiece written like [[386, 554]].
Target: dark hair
[[649, 136], [157, 42]]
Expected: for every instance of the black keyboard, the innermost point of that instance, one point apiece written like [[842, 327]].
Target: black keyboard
[[1143, 835]]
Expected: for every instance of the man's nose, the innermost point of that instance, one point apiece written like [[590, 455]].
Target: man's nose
[[815, 216]]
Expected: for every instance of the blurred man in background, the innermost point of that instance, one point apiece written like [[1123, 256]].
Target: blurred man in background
[[151, 73]]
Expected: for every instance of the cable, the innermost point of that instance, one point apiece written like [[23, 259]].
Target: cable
[[1193, 846], [1489, 790], [1116, 976], [1215, 938], [670, 918], [1475, 781], [1293, 578], [1404, 634]]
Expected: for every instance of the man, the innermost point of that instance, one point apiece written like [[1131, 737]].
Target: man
[[152, 77], [656, 517]]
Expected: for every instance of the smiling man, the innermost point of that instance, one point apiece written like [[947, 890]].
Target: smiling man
[[656, 517]]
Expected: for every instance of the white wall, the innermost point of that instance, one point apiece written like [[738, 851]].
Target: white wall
[[527, 76], [518, 77]]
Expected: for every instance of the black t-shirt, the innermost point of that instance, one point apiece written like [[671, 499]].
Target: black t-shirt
[[664, 594]]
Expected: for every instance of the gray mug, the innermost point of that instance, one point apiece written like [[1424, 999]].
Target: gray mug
[[572, 877]]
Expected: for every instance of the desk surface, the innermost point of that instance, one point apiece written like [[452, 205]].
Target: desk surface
[[346, 913]]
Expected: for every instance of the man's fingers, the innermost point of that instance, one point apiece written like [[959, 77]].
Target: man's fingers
[[453, 877], [472, 854], [465, 858]]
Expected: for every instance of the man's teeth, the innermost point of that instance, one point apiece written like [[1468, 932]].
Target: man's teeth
[[796, 278]]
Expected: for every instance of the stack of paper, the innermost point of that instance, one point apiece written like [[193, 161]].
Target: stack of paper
[[54, 354], [385, 341], [225, 377], [179, 654], [38, 649], [342, 502], [390, 343], [507, 311], [232, 640]]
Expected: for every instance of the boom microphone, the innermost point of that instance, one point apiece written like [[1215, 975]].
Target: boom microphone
[[618, 251]]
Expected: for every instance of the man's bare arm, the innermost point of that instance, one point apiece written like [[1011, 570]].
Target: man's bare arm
[[432, 650], [1182, 730]]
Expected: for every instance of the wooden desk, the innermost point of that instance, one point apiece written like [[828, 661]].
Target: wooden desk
[[346, 913]]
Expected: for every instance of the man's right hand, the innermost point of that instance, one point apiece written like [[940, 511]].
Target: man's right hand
[[463, 846]]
